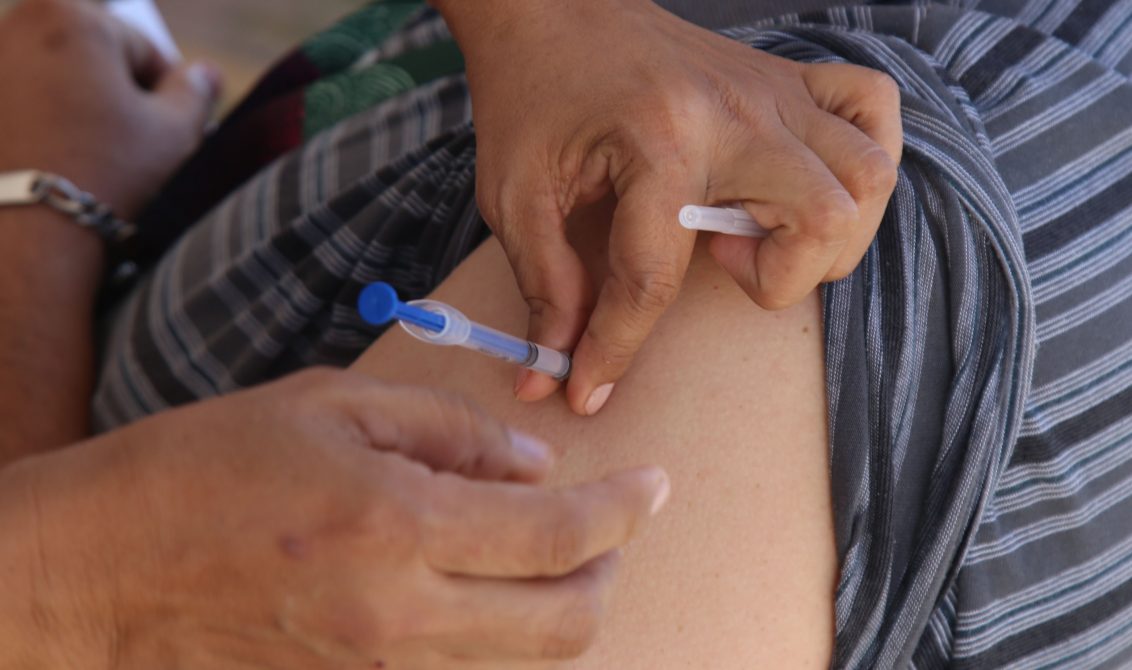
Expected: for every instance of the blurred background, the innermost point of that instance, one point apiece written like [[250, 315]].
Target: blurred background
[[243, 37]]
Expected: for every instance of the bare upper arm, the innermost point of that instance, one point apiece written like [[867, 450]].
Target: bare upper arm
[[739, 570]]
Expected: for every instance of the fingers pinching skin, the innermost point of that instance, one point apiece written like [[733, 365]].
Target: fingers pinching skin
[[548, 271], [647, 262], [489, 529], [834, 179], [717, 114], [533, 619], [441, 430]]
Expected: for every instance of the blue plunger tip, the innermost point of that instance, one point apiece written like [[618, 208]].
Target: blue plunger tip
[[378, 303]]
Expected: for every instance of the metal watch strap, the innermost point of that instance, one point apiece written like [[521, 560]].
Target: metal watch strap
[[30, 187]]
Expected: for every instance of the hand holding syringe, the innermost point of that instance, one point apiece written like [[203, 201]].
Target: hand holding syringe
[[439, 323], [726, 220]]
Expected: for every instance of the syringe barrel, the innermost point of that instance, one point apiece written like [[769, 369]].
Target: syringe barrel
[[550, 362], [460, 331], [510, 348]]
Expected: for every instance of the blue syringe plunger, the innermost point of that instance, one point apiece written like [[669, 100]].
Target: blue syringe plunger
[[378, 304]]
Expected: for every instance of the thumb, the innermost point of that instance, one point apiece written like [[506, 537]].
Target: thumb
[[189, 93], [648, 255], [738, 256]]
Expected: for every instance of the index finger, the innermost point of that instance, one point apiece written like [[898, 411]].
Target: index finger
[[648, 257], [549, 273], [868, 99], [444, 431], [861, 140]]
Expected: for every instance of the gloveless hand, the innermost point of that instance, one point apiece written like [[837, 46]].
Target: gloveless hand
[[572, 100], [325, 521], [93, 101]]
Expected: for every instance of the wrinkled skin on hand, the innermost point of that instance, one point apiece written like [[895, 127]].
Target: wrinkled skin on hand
[[325, 521], [576, 100], [95, 102]]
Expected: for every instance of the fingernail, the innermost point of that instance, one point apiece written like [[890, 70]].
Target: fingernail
[[529, 446], [662, 493], [520, 379], [597, 399]]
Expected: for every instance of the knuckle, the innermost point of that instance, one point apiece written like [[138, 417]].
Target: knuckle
[[827, 218], [666, 114], [668, 133], [881, 88], [873, 174], [565, 548], [392, 526], [650, 286], [569, 309], [540, 307], [671, 134], [575, 627]]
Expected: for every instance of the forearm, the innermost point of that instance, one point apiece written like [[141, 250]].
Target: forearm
[[476, 22], [49, 273]]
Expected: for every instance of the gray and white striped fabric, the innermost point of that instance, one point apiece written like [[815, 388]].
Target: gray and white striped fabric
[[979, 361]]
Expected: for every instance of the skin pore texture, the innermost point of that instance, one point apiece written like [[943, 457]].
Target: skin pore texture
[[739, 570]]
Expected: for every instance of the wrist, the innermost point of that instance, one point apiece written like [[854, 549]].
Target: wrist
[[57, 562], [35, 234], [476, 22], [482, 24], [50, 273], [43, 250], [39, 627], [19, 635]]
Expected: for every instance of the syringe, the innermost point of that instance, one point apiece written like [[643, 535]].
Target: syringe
[[728, 220], [439, 323]]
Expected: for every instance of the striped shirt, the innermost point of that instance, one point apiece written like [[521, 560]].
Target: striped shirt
[[979, 361]]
